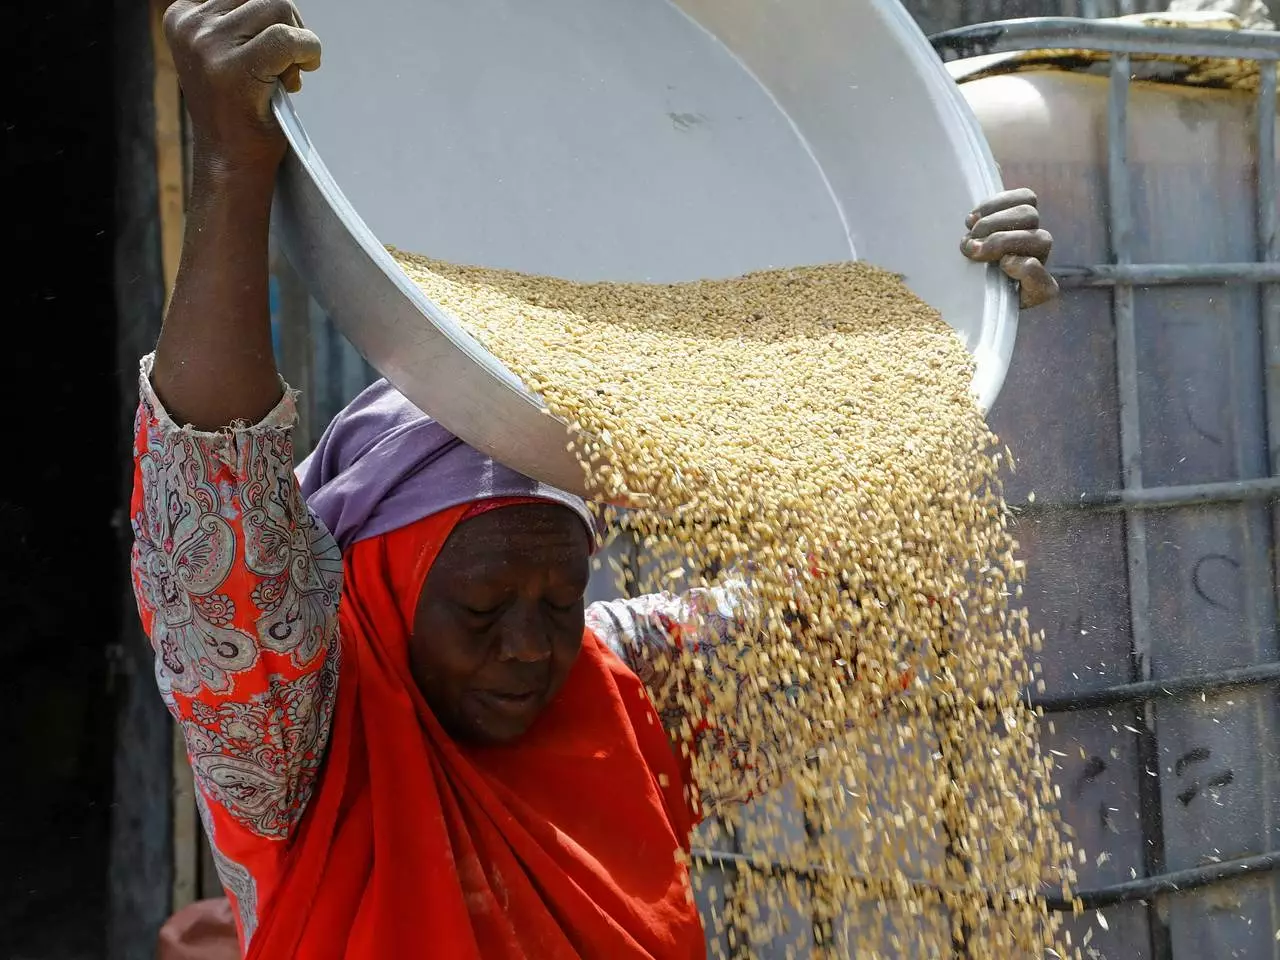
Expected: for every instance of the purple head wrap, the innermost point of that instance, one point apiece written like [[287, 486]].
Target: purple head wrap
[[383, 464]]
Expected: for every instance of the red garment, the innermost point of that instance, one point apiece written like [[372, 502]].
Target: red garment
[[413, 842]]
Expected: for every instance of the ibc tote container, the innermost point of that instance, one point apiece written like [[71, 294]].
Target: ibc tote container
[[1144, 413]]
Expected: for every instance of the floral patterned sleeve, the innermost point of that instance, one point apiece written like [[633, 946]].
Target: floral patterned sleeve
[[650, 634], [662, 636], [237, 586]]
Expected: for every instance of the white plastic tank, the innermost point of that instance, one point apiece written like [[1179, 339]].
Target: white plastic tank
[[1194, 779]]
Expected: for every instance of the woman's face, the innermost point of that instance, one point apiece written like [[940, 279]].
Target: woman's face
[[500, 619]]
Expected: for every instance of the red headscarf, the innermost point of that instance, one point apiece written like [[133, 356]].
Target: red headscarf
[[559, 845]]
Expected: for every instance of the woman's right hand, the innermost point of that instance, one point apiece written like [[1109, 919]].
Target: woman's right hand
[[229, 55]]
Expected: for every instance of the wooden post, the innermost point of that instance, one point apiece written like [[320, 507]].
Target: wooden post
[[141, 885], [170, 149], [171, 184]]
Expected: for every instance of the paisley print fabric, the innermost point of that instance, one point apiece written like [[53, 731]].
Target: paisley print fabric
[[236, 880], [250, 757], [184, 550], [237, 586], [297, 563], [649, 632]]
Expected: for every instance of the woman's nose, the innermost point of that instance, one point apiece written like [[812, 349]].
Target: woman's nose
[[525, 637]]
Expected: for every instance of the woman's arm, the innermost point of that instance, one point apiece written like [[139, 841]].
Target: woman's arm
[[214, 364], [237, 584], [673, 643]]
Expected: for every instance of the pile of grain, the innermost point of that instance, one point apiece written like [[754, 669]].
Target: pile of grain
[[813, 430]]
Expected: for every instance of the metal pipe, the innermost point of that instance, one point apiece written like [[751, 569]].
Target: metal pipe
[[1120, 223], [1166, 274], [879, 886], [1268, 196], [1159, 498], [1120, 217], [1070, 33], [1144, 888], [1172, 687], [1268, 215], [1268, 238], [1180, 880]]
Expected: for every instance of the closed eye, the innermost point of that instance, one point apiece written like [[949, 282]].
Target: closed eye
[[482, 612], [571, 606]]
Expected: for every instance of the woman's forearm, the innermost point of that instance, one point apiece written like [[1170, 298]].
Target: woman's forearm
[[214, 363]]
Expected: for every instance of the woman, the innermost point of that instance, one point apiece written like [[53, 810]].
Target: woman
[[406, 733]]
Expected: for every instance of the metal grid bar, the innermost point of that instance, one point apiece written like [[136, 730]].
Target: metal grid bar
[[1176, 882], [1122, 40], [1130, 891], [1268, 227], [1125, 41], [1151, 689], [1120, 223], [1161, 498], [1167, 274], [1069, 33]]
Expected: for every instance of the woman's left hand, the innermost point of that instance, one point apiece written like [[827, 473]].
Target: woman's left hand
[[1006, 230]]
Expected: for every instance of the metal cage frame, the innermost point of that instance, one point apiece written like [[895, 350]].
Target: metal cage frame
[[1125, 42]]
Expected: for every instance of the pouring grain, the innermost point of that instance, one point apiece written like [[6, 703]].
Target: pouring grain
[[813, 431]]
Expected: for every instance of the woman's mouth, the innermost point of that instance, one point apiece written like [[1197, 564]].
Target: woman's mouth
[[509, 702]]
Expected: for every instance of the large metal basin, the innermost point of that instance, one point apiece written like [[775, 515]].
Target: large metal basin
[[622, 140]]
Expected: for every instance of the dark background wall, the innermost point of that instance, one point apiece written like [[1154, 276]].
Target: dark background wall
[[59, 596]]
